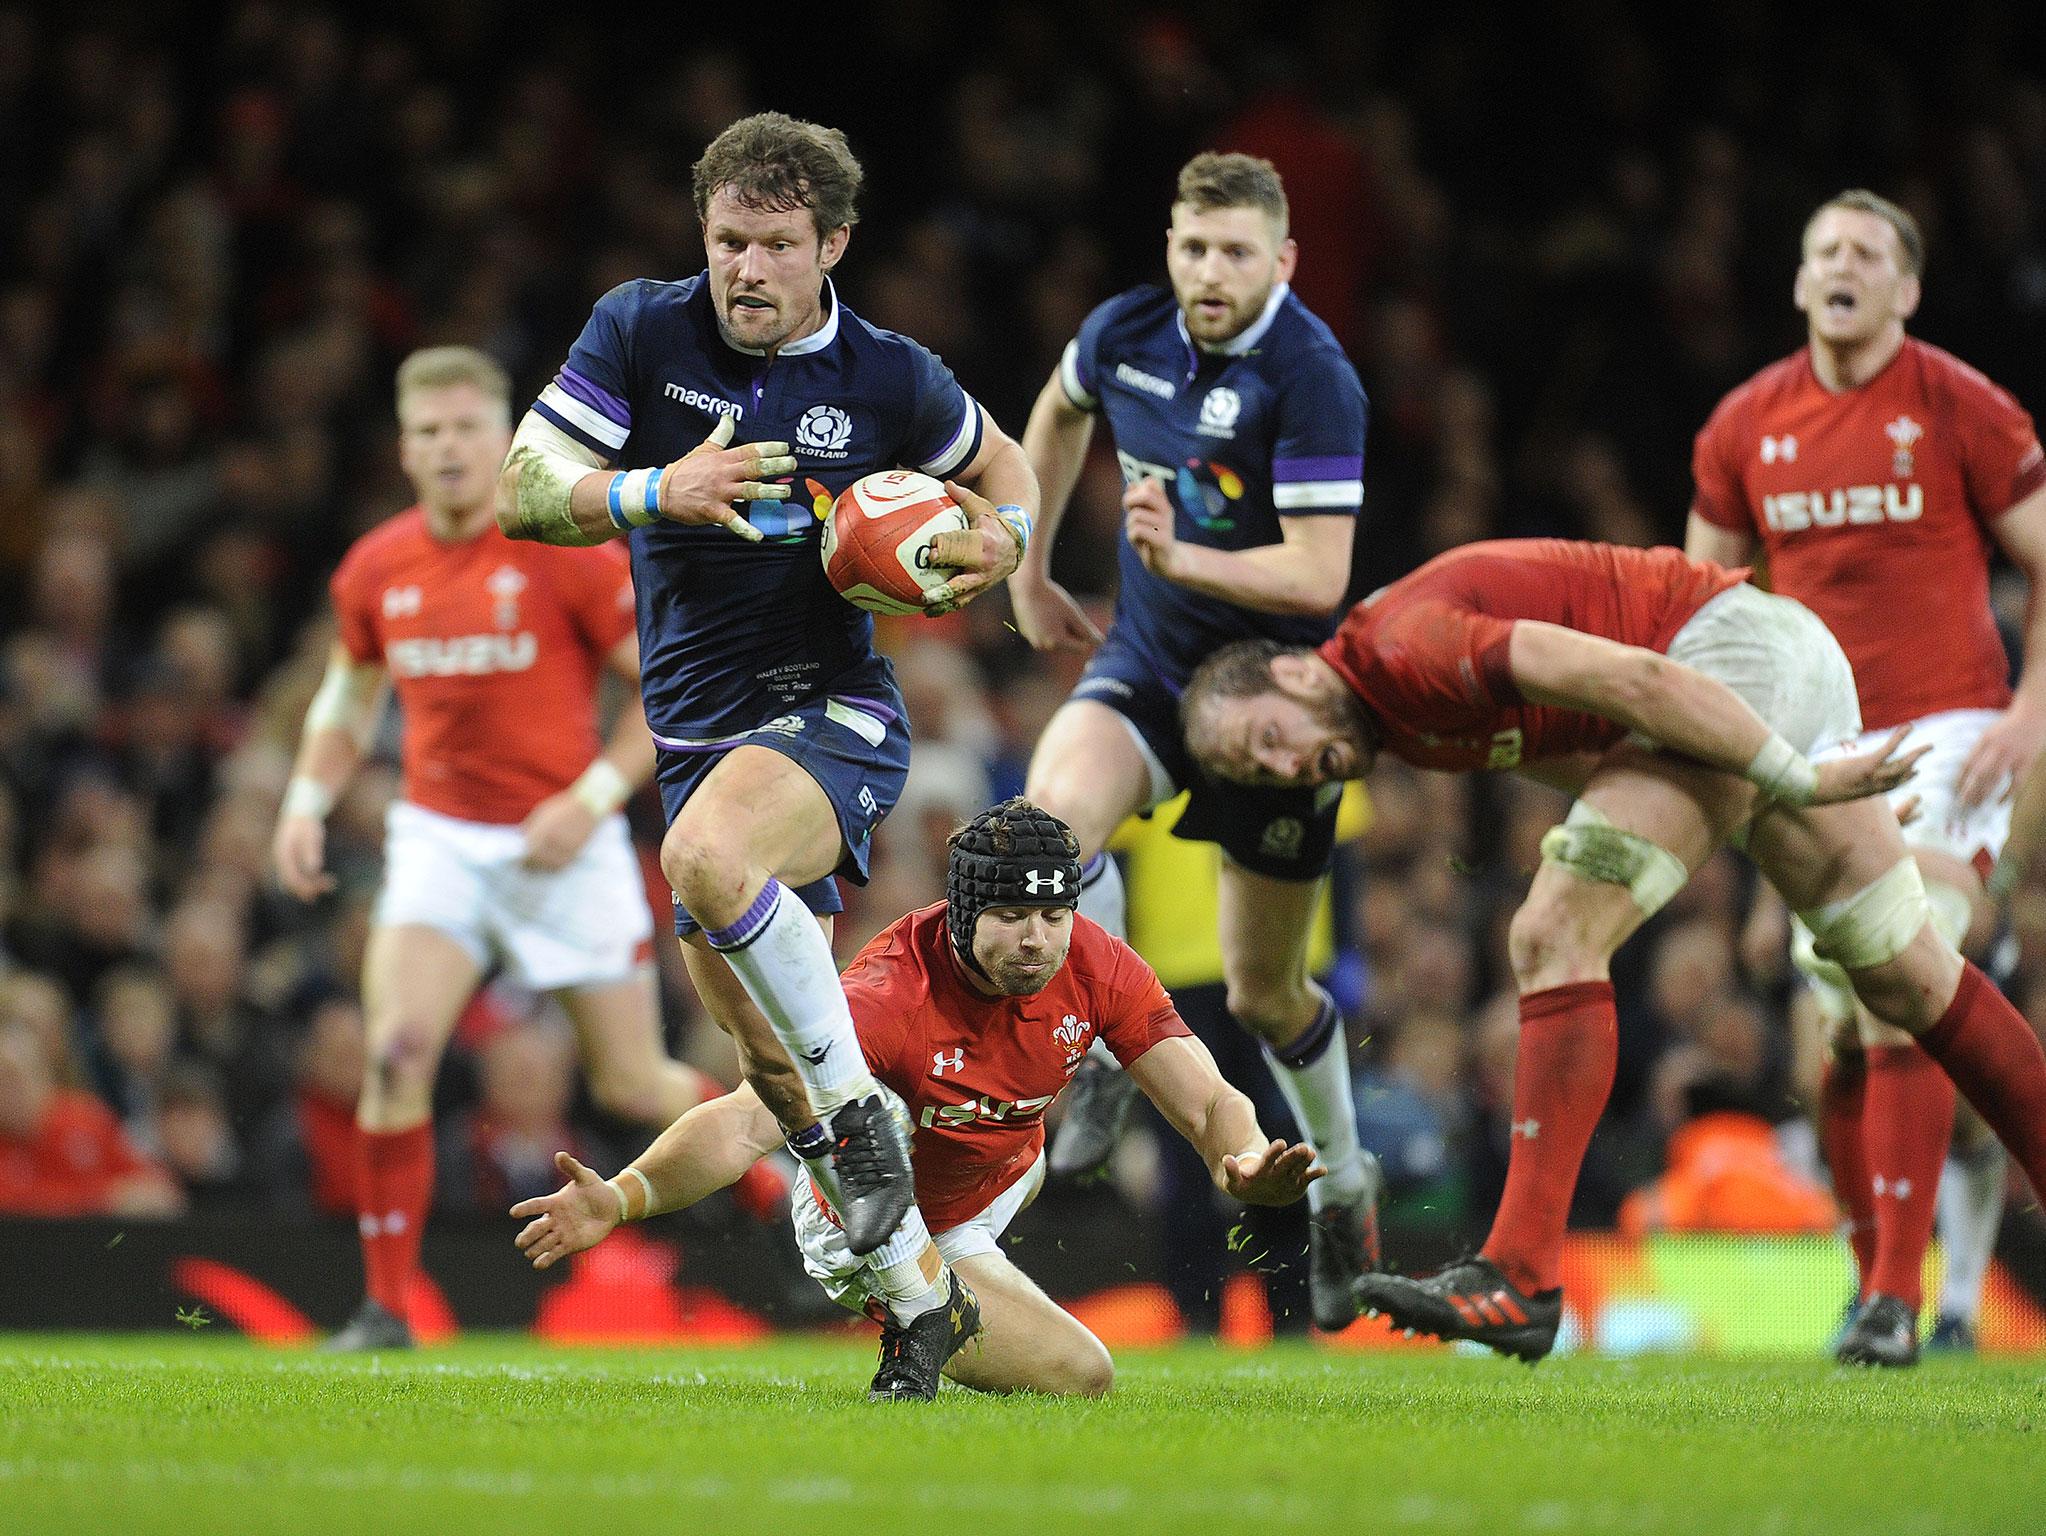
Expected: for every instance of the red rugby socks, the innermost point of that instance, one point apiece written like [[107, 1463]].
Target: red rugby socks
[[1907, 1122], [1842, 1090], [396, 1188], [1569, 1047], [1990, 1052]]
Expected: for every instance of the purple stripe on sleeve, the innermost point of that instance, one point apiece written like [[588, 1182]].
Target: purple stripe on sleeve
[[602, 401], [580, 434], [750, 922], [1334, 467]]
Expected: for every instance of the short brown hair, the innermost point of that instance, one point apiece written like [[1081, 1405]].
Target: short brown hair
[[1212, 180], [1861, 200], [446, 367], [1240, 670], [776, 163]]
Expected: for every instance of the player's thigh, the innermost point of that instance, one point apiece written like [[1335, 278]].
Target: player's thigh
[[1265, 926], [1089, 771], [761, 1057], [1819, 854], [416, 981], [1027, 1341], [1574, 918], [617, 1026], [757, 810]]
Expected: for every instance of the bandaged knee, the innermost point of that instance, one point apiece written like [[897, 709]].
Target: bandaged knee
[[1874, 925], [1952, 911], [1830, 985], [1592, 848]]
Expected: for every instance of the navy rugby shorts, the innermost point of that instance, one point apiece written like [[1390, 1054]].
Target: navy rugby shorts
[[857, 749], [1287, 834]]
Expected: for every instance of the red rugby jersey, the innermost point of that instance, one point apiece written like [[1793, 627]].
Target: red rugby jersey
[[1875, 507], [494, 646], [1427, 655], [978, 1072]]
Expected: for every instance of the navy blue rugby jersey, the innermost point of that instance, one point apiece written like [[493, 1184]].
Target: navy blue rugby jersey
[[732, 633], [1269, 425]]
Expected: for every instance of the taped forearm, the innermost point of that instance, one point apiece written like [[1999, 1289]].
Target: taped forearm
[[544, 467]]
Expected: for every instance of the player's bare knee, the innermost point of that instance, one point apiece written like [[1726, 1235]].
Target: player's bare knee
[[1547, 947], [710, 873], [1276, 1010], [403, 1057], [1091, 1372]]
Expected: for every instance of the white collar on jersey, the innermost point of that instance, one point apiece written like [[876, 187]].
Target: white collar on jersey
[[1246, 338], [816, 341]]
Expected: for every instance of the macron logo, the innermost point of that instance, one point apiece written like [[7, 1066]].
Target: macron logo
[[1149, 383], [703, 402]]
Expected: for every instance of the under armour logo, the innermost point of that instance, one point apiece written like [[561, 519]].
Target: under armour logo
[[948, 1061], [1901, 1188], [1784, 448], [1045, 882], [1530, 1128]]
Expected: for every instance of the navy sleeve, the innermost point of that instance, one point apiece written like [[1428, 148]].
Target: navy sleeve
[[590, 397], [946, 425], [1318, 459]]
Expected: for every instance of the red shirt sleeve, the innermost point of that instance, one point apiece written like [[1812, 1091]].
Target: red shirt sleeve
[[1140, 1013], [1717, 496], [354, 608], [601, 597], [2000, 454]]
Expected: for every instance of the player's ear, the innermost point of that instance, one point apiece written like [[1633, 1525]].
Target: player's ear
[[1289, 258], [1909, 291], [1801, 290], [832, 247]]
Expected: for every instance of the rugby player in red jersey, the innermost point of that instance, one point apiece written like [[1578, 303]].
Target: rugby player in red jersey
[[974, 1012], [1681, 705], [507, 847], [1878, 473]]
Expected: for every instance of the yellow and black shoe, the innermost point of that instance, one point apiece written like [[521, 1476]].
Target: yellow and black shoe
[[914, 1355]]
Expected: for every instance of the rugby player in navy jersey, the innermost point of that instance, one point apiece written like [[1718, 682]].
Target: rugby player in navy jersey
[[711, 421], [1239, 425]]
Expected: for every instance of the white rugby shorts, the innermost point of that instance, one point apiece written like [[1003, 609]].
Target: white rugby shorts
[[1779, 656], [1939, 825], [585, 924], [846, 1278]]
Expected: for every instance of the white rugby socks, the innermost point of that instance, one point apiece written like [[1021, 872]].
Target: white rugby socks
[[1970, 1212], [780, 954], [1313, 1075], [1101, 894], [909, 1272]]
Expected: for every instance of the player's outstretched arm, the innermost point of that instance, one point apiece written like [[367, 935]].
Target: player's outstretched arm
[[1181, 1078], [1687, 712], [1055, 443], [701, 1153], [555, 490], [337, 723]]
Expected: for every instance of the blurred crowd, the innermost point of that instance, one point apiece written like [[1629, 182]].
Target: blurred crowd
[[1550, 237]]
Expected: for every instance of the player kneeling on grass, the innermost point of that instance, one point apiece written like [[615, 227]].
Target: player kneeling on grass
[[975, 1012]]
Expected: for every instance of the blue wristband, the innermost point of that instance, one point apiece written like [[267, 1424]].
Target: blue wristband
[[1017, 521], [653, 495], [615, 506]]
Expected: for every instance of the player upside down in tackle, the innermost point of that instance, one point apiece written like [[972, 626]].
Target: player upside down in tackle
[[975, 1011], [1683, 707]]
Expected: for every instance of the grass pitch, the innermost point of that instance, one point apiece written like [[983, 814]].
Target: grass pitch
[[152, 1434]]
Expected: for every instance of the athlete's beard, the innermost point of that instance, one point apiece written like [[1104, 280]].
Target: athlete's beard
[[1239, 319], [1012, 981]]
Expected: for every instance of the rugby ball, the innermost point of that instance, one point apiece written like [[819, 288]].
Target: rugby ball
[[877, 541]]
